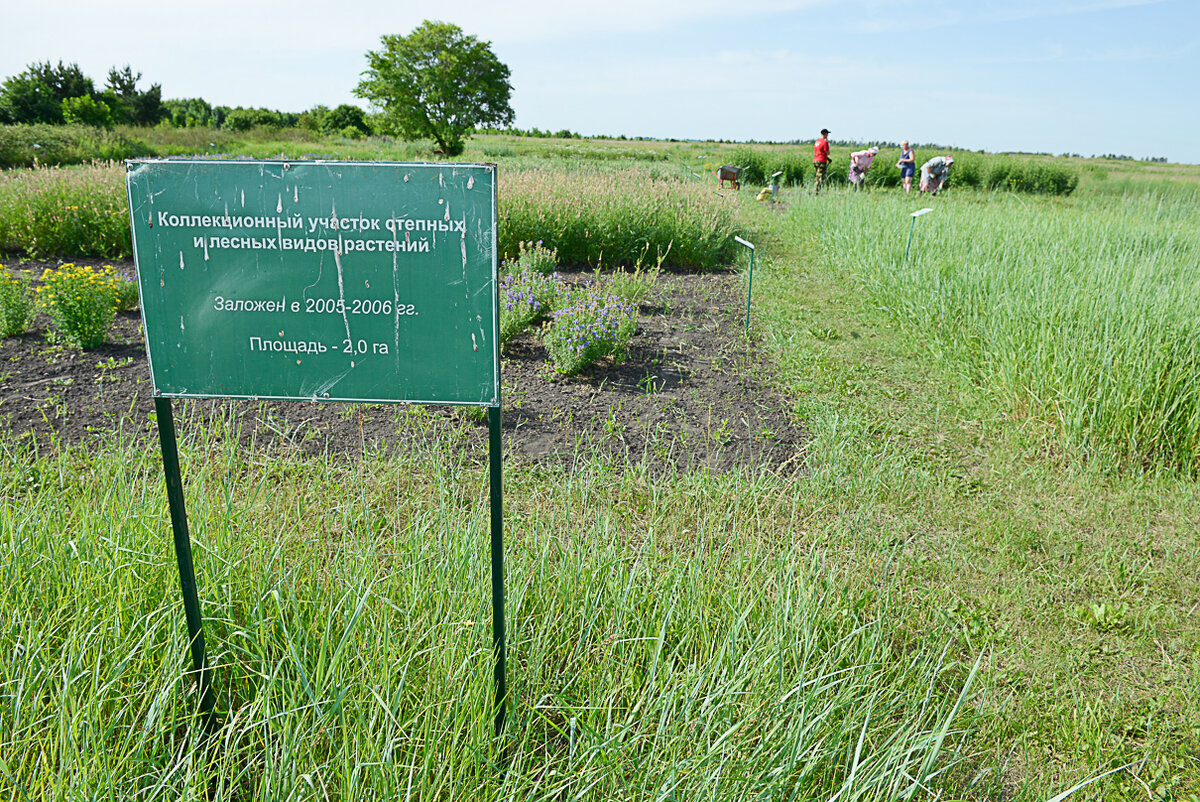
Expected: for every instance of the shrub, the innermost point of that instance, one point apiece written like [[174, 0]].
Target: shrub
[[80, 301], [15, 304], [526, 296], [593, 324]]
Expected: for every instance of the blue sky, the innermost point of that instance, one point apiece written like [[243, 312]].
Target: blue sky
[[1082, 76]]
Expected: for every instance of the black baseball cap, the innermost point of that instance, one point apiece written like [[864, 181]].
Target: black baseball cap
[[824, 132]]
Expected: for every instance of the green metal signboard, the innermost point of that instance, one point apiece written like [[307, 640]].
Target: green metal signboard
[[321, 281]]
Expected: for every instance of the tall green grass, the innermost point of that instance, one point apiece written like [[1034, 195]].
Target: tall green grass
[[65, 211], [612, 217], [667, 638], [56, 145], [617, 218], [1080, 316]]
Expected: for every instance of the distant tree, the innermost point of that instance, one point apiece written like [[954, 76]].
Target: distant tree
[[437, 83], [86, 110], [190, 112], [130, 105], [343, 117], [36, 95], [313, 118], [241, 119]]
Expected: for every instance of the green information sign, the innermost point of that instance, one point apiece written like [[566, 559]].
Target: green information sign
[[321, 281]]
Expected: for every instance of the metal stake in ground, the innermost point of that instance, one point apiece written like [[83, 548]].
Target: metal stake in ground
[[497, 515], [914, 216], [750, 285], [183, 556]]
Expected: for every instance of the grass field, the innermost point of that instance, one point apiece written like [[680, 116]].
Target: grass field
[[985, 586]]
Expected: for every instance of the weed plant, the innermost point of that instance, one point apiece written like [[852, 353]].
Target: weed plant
[[634, 287], [80, 301], [611, 219], [592, 324], [65, 211], [16, 304], [533, 256]]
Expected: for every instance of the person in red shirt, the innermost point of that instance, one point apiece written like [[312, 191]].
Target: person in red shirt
[[821, 159]]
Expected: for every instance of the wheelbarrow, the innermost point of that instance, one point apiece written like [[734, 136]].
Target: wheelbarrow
[[727, 172]]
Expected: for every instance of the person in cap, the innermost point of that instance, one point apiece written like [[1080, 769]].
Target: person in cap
[[907, 165], [820, 159], [860, 162], [935, 172]]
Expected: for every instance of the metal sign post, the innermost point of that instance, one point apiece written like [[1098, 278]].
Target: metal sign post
[[750, 284], [183, 558], [318, 281], [500, 672], [911, 225]]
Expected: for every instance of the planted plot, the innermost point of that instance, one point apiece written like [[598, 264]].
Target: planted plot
[[1081, 319]]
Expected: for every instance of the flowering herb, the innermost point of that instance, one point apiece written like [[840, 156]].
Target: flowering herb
[[80, 301], [526, 296], [593, 324]]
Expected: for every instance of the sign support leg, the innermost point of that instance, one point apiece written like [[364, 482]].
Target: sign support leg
[[497, 520], [183, 556]]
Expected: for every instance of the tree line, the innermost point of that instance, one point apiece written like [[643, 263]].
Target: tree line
[[62, 94], [435, 83]]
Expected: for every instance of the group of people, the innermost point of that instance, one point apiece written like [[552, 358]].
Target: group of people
[[933, 172]]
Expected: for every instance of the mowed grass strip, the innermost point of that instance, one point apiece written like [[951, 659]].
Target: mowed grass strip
[[1077, 577]]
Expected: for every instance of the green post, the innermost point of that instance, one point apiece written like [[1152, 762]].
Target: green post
[[750, 285], [497, 516], [183, 556], [911, 225]]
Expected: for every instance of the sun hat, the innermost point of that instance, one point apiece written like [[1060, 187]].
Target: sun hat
[[874, 150], [949, 160]]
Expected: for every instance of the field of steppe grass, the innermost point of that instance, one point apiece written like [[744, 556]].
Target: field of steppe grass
[[608, 217], [1078, 317], [1069, 562], [966, 498]]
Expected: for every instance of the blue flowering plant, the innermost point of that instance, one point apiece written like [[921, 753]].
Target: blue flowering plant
[[526, 297], [594, 323]]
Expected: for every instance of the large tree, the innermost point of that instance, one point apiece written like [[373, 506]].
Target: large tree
[[436, 83]]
